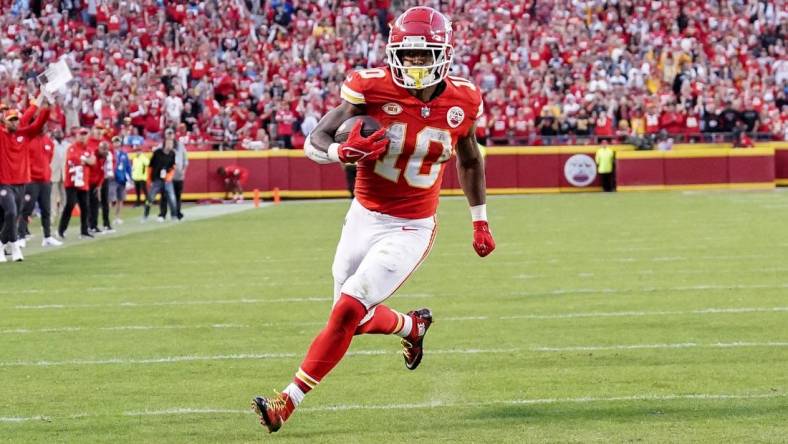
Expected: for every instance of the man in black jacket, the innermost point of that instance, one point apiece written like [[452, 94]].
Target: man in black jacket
[[160, 172]]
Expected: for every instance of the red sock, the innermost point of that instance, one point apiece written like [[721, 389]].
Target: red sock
[[331, 343], [385, 321]]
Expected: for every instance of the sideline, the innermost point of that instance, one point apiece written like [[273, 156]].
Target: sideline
[[133, 225]]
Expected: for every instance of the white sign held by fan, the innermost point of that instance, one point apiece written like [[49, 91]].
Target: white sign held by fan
[[55, 77]]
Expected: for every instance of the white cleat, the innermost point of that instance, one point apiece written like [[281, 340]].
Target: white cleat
[[118, 221], [2, 254], [159, 219], [16, 253], [50, 242], [21, 242]]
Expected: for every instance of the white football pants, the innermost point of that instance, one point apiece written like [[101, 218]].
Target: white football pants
[[377, 253]]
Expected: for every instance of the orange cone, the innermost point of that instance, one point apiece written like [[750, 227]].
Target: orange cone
[[277, 198], [256, 198], [75, 212]]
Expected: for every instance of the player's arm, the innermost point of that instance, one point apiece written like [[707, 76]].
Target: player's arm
[[37, 126], [321, 147], [470, 171]]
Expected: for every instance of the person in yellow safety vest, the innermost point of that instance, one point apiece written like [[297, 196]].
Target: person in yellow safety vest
[[139, 173], [604, 162]]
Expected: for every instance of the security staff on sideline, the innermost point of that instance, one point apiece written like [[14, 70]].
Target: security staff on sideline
[[604, 162]]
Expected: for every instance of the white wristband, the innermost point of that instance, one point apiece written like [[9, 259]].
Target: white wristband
[[333, 152], [479, 212]]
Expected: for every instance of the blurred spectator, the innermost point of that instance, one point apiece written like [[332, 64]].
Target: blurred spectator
[[742, 140], [58, 196], [605, 162], [234, 178], [122, 177], [160, 173], [100, 174], [179, 175], [664, 142], [139, 173], [77, 176]]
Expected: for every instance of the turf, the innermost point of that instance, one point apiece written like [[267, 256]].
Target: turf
[[600, 318]]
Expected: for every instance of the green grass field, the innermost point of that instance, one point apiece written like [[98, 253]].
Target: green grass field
[[600, 318]]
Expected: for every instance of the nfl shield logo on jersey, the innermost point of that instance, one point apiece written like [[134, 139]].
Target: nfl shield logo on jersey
[[455, 116], [425, 112]]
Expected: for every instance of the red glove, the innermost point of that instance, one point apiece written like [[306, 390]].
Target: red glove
[[483, 241], [358, 147]]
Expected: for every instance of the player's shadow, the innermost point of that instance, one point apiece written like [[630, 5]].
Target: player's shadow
[[598, 411]]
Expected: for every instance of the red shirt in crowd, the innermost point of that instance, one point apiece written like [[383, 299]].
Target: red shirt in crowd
[[652, 123], [499, 127], [604, 125]]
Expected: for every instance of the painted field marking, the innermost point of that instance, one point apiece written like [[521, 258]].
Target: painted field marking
[[265, 356], [660, 346], [701, 312], [557, 292], [178, 411], [592, 314], [683, 288], [198, 302]]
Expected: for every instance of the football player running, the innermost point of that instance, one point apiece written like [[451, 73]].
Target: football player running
[[389, 230]]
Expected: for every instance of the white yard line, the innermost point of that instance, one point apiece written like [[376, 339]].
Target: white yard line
[[205, 302], [168, 303], [470, 351], [660, 346], [682, 288], [234, 357], [180, 411], [556, 292], [699, 312], [614, 314]]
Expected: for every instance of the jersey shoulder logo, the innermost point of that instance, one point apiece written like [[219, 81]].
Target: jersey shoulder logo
[[455, 116], [20, 139], [392, 108]]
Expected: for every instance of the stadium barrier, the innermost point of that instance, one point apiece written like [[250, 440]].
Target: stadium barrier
[[781, 164], [689, 169], [512, 170]]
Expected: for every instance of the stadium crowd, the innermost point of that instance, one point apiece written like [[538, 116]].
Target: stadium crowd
[[235, 74]]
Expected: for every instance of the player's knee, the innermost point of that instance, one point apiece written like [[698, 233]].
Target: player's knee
[[347, 313]]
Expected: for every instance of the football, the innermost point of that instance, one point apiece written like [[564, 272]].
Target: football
[[370, 125]]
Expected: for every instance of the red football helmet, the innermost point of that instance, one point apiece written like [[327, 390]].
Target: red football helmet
[[420, 28]]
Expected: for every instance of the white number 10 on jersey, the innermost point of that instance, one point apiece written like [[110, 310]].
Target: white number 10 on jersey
[[386, 166]]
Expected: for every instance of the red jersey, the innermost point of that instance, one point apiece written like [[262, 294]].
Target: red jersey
[[500, 127], [520, 127], [405, 182], [77, 173], [41, 151], [97, 169], [14, 150], [235, 173]]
